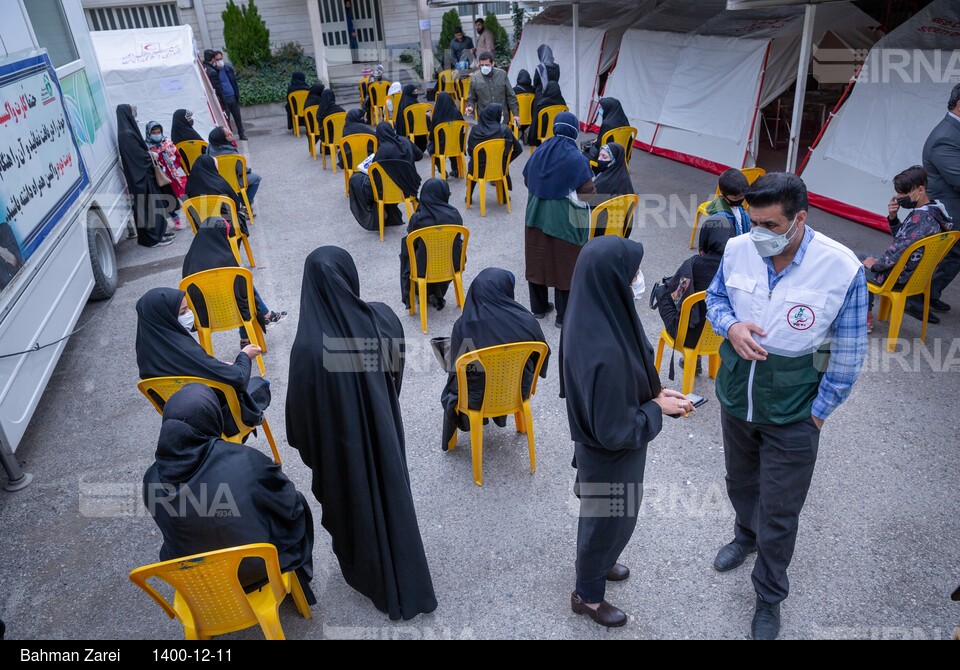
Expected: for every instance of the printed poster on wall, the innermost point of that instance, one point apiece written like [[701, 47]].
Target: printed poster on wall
[[41, 170]]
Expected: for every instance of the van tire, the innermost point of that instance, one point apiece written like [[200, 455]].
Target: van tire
[[102, 259]]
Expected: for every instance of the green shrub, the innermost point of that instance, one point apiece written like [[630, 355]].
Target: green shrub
[[450, 21], [245, 35], [267, 81], [519, 15], [415, 57], [501, 41]]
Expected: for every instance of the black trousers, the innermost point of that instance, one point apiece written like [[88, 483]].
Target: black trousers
[[769, 469], [945, 273], [232, 110], [539, 299]]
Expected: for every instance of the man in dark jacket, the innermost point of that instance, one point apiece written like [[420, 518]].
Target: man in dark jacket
[[941, 158], [224, 81], [461, 48]]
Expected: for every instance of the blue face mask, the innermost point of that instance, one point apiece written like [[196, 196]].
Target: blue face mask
[[156, 137]]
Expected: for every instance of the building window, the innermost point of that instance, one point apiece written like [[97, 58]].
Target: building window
[[52, 30], [481, 10], [139, 16]]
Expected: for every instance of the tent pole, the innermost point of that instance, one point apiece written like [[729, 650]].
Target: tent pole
[[806, 47], [202, 22], [316, 34], [576, 58], [426, 42]]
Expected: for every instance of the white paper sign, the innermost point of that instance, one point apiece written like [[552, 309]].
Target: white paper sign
[[425, 24]]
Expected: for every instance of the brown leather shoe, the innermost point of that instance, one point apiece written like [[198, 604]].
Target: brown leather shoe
[[618, 573], [605, 615]]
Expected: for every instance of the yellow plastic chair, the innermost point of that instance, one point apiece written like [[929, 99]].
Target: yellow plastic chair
[[297, 100], [708, 345], [378, 100], [438, 242], [463, 90], [525, 103], [493, 172], [752, 174], [391, 108], [209, 599], [545, 126], [625, 136], [386, 192], [701, 212], [503, 367], [362, 86], [158, 390], [445, 82], [620, 212], [190, 151], [332, 134], [353, 150], [233, 168], [893, 302], [454, 135], [313, 129], [202, 207], [218, 289], [417, 120]]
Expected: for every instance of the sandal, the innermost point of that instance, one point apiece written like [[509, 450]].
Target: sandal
[[273, 316]]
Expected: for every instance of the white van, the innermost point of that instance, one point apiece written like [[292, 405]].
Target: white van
[[63, 202]]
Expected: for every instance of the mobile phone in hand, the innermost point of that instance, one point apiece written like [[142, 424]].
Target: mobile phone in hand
[[697, 401]]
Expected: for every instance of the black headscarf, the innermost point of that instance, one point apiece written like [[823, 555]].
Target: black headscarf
[[547, 70], [524, 84], [615, 180], [397, 155], [181, 128], [548, 98], [141, 180], [205, 179], [298, 82], [354, 124], [408, 98], [558, 168], [489, 127], [248, 497], [315, 95], [613, 116], [328, 105], [607, 374], [166, 349], [343, 416], [218, 140]]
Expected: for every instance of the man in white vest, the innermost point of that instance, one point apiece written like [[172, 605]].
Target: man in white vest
[[792, 305]]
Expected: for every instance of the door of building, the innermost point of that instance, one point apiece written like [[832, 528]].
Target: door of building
[[351, 30]]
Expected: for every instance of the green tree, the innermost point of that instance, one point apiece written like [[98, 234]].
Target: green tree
[[519, 15], [450, 21], [245, 34], [501, 41]]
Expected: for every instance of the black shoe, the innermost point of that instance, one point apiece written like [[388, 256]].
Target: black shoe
[[731, 557], [542, 315], [766, 621], [243, 137], [939, 305], [436, 302], [558, 323], [918, 314], [618, 573]]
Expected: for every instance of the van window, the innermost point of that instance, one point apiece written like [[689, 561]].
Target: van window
[[52, 31]]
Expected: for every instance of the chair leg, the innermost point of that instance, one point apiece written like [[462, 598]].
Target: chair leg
[[458, 289], [433, 167], [380, 217], [422, 290], [246, 202], [269, 435], [333, 159], [660, 344], [203, 334], [689, 370], [926, 313], [452, 444], [299, 597], [410, 209], [883, 313], [896, 319], [714, 365], [518, 420], [476, 446], [469, 191], [693, 233], [246, 247], [528, 421], [412, 296], [270, 623], [483, 198], [506, 195], [346, 181]]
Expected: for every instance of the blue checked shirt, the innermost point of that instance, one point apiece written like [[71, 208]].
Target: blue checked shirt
[[848, 335]]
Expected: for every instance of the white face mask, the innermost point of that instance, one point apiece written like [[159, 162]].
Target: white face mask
[[599, 116], [186, 320], [218, 64], [485, 70], [770, 244], [639, 287]]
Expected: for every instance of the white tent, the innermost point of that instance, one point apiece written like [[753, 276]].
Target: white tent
[[156, 69], [900, 95]]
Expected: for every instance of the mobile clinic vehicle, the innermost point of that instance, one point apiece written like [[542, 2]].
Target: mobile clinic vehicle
[[62, 200]]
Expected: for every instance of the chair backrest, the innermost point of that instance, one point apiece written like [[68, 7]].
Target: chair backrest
[[503, 367], [202, 207], [391, 110], [384, 188], [494, 163], [218, 289], [624, 136], [438, 242], [355, 148], [753, 174], [935, 247], [158, 390], [709, 342], [416, 121], [454, 134], [463, 87], [333, 128], [546, 119], [525, 101], [297, 100], [233, 168], [620, 212], [190, 151], [445, 82], [378, 93], [209, 586], [362, 86], [311, 121]]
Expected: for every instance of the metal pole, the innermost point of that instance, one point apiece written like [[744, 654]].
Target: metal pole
[[426, 41], [806, 47], [576, 58], [316, 32], [202, 22], [18, 478]]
